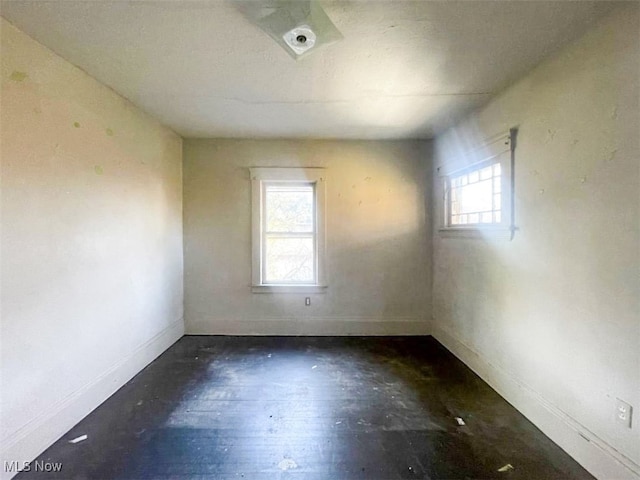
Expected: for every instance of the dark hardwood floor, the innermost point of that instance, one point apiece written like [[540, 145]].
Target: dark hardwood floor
[[307, 408]]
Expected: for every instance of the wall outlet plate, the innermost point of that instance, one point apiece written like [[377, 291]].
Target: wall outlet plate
[[623, 413]]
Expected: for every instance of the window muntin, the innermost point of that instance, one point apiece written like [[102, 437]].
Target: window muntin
[[289, 236]]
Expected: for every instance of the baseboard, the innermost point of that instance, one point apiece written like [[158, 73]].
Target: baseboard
[[36, 436], [594, 454], [311, 326]]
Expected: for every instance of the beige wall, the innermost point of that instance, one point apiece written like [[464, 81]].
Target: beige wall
[[552, 318], [91, 243], [377, 248]]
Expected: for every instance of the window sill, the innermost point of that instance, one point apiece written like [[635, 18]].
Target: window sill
[[289, 288], [504, 233]]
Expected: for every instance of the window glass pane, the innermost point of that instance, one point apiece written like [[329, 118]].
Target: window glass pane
[[289, 259], [486, 173], [289, 208], [475, 197]]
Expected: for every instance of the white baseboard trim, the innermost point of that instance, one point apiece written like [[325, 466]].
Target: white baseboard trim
[[311, 326], [36, 436], [594, 454]]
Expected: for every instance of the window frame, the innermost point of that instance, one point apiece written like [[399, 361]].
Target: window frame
[[261, 177], [498, 149]]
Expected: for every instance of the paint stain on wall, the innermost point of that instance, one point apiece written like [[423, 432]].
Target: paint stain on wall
[[98, 169], [17, 76], [76, 124], [612, 155], [109, 132], [550, 135]]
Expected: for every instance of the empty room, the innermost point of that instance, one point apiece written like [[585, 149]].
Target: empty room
[[320, 240]]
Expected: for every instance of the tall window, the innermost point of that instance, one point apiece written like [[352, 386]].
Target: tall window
[[288, 229]]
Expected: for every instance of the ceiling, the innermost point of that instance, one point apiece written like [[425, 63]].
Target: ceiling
[[404, 69]]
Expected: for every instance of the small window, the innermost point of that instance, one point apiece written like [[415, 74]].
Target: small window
[[477, 198], [474, 197], [288, 229]]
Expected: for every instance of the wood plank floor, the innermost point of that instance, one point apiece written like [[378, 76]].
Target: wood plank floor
[[307, 408]]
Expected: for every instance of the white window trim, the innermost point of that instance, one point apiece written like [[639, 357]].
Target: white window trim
[[500, 148], [259, 177]]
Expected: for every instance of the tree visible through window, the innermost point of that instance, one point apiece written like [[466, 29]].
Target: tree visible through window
[[288, 230], [289, 234]]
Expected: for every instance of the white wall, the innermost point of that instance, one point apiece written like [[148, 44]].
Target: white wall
[[91, 244], [552, 318], [377, 243]]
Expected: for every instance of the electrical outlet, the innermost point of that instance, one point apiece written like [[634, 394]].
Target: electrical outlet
[[623, 413], [307, 301]]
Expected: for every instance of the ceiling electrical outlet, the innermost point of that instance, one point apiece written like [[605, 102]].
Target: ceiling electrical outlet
[[623, 413]]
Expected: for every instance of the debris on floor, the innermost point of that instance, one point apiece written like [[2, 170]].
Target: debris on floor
[[287, 464], [506, 468], [460, 421], [79, 439], [315, 366]]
